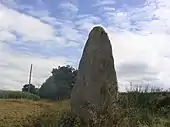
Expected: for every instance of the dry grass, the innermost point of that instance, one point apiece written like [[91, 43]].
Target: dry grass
[[27, 113], [126, 113]]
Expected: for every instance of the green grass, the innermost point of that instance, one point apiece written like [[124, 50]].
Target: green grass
[[18, 95]]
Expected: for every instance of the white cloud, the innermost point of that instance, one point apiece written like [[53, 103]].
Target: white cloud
[[149, 44], [38, 13], [68, 10], [162, 12], [30, 29], [51, 20], [74, 36], [69, 6], [139, 36], [9, 3], [6, 36], [14, 65], [105, 2], [14, 68], [86, 22]]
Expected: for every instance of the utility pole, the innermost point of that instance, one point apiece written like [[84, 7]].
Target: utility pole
[[29, 82], [39, 89]]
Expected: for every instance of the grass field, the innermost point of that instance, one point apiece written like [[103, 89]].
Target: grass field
[[133, 110], [27, 113]]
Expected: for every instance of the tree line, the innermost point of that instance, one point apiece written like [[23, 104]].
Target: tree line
[[56, 86]]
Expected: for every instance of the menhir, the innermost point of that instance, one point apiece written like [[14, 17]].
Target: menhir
[[96, 81]]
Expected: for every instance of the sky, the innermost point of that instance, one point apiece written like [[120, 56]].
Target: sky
[[49, 33]]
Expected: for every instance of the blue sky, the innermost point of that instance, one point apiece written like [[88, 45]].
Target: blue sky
[[48, 33]]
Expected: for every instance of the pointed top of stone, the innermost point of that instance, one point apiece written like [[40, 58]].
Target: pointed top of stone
[[97, 30], [100, 28]]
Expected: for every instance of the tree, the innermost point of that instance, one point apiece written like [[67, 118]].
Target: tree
[[48, 89], [60, 84], [32, 88]]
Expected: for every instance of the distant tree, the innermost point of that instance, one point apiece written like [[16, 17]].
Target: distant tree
[[32, 88], [60, 84]]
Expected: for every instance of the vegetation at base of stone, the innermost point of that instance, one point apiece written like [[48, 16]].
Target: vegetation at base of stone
[[67, 120], [126, 117], [134, 108], [17, 95], [60, 84]]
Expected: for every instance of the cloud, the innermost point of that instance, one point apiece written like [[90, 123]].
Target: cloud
[[142, 71], [139, 36], [29, 28], [87, 22], [69, 6], [25, 40], [68, 10], [136, 56], [6, 36], [139, 39], [105, 2], [9, 3], [15, 66], [51, 20]]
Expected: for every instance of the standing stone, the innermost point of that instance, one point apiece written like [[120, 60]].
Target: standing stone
[[96, 81]]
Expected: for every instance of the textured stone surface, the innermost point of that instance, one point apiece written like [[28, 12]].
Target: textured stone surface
[[96, 81]]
